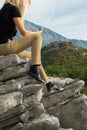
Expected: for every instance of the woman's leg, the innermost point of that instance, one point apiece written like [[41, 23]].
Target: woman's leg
[[19, 45], [43, 74], [28, 54], [50, 86]]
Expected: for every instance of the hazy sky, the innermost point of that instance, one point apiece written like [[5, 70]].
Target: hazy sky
[[66, 17]]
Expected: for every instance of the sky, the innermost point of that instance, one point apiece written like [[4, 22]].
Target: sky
[[66, 17]]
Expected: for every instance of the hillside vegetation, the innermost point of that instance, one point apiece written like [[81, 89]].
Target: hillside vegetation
[[65, 59]]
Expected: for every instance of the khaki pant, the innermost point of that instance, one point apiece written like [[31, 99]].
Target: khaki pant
[[20, 45]]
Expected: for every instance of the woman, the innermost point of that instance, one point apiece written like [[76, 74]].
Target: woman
[[11, 17]]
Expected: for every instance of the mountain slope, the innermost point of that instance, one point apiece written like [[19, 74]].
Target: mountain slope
[[65, 59], [50, 36], [81, 43], [47, 34]]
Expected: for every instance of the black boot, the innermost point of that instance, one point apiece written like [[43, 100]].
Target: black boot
[[53, 88], [34, 73]]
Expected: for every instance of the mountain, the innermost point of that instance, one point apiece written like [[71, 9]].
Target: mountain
[[65, 59], [50, 36], [47, 34], [81, 43]]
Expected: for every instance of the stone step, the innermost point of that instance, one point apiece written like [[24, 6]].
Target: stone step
[[48, 123], [9, 101], [17, 110], [24, 84], [9, 122], [31, 89], [14, 72], [33, 100], [17, 127], [14, 127], [11, 60], [74, 113], [65, 129], [36, 111], [52, 99]]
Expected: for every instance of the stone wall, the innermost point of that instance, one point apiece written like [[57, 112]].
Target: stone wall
[[26, 105]]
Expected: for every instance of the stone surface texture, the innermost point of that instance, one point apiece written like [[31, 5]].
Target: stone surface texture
[[25, 103]]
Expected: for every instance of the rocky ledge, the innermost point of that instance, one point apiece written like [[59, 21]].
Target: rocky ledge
[[26, 105]]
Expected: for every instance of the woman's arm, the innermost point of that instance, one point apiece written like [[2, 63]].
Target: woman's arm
[[20, 25]]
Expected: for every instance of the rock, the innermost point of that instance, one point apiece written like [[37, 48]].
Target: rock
[[9, 88], [62, 82], [55, 110], [8, 101], [14, 72], [11, 60], [17, 127], [17, 110], [53, 99], [36, 110], [14, 116], [33, 100], [14, 85], [26, 105], [25, 116], [23, 85], [65, 129], [8, 123], [76, 113], [31, 89], [49, 123]]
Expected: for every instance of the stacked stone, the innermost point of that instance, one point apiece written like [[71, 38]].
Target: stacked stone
[[20, 98], [70, 106]]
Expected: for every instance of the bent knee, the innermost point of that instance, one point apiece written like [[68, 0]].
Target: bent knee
[[38, 36]]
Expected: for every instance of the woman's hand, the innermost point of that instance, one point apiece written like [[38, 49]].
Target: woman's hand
[[39, 31]]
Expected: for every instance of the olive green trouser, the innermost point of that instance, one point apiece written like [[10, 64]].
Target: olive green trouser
[[20, 45]]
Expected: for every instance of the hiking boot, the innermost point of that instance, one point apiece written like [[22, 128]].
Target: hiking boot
[[53, 88], [34, 73]]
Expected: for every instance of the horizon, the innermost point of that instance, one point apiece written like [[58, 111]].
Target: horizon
[[67, 18]]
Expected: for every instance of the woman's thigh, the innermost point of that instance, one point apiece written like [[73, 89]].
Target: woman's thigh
[[17, 46]]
